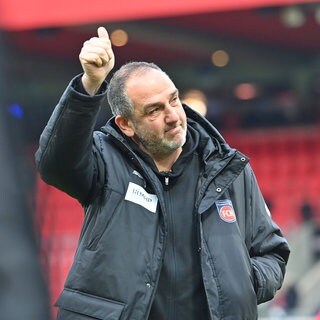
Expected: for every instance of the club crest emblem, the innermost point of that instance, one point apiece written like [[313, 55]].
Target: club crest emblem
[[226, 211]]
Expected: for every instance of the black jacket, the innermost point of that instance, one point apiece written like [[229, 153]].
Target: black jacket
[[118, 261]]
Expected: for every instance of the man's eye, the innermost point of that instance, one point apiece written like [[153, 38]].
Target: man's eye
[[153, 110], [175, 98]]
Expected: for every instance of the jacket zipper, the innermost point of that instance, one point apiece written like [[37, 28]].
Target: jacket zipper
[[171, 252]]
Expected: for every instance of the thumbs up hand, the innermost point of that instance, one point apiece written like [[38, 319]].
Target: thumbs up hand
[[97, 60]]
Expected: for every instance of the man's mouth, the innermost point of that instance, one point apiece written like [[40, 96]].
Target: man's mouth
[[174, 129]]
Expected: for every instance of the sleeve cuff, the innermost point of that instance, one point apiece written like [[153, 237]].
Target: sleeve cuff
[[78, 86]]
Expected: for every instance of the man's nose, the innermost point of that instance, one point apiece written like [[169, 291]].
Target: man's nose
[[171, 114]]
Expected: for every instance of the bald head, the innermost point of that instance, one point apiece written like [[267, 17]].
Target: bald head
[[118, 98]]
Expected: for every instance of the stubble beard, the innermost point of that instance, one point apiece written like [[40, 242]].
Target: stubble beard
[[159, 148]]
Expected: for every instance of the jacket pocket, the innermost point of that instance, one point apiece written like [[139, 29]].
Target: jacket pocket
[[76, 305]]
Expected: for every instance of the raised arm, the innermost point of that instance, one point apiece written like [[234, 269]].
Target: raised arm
[[66, 157]]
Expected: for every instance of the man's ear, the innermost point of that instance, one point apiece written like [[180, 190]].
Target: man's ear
[[125, 125]]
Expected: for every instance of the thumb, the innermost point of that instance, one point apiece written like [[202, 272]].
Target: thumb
[[103, 33]]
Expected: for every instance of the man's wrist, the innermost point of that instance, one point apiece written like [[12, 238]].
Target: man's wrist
[[90, 87]]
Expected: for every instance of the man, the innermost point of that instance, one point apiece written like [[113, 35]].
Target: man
[[175, 225]]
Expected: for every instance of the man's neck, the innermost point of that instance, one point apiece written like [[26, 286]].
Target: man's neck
[[165, 163]]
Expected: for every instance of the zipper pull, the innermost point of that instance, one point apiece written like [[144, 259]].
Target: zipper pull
[[166, 181]]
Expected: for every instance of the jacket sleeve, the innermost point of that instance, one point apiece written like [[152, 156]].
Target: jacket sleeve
[[66, 157], [269, 250]]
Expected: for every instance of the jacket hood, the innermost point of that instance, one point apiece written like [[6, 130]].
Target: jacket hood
[[209, 134]]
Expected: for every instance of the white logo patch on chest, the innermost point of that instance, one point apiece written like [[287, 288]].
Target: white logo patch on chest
[[138, 195]]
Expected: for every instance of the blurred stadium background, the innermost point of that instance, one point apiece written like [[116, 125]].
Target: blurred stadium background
[[253, 66]]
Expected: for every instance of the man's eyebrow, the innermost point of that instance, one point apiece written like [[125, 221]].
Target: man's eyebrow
[[176, 92], [152, 104]]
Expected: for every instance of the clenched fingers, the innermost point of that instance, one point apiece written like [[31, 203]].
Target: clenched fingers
[[97, 51]]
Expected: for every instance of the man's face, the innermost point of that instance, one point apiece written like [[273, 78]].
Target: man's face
[[159, 121]]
